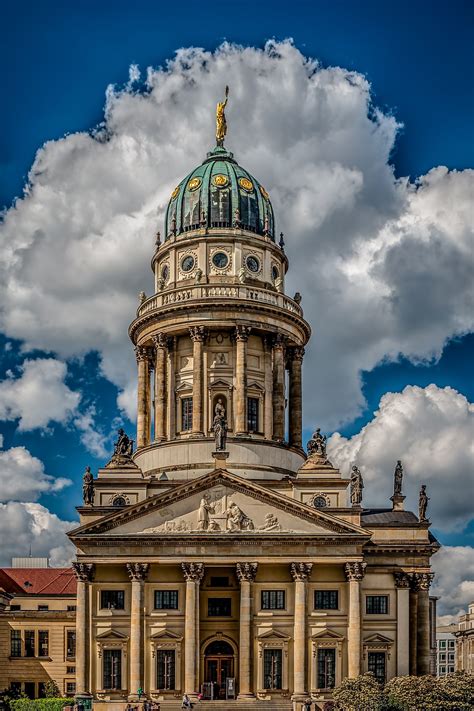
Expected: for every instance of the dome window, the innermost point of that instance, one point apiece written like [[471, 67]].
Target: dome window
[[275, 273], [220, 207], [220, 260], [253, 265], [220, 181], [194, 184], [246, 184], [187, 263], [165, 272]]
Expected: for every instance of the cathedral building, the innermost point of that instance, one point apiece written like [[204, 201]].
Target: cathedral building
[[217, 557]]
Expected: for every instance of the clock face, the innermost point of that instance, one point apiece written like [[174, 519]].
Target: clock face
[[220, 260], [187, 263], [253, 264]]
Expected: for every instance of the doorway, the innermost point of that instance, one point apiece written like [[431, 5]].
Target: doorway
[[218, 666]]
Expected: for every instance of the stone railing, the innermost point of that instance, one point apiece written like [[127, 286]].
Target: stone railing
[[197, 292]]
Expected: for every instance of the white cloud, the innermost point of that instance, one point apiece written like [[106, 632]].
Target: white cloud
[[27, 524], [93, 440], [39, 396], [383, 264], [430, 429], [22, 476], [454, 581]]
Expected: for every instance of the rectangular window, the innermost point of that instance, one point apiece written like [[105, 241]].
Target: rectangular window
[[14, 608], [326, 668], [30, 689], [112, 669], [272, 668], [186, 413], [71, 608], [70, 688], [70, 670], [451, 644], [15, 643], [29, 643], [326, 599], [166, 599], [43, 608], [112, 599], [43, 643], [41, 690], [71, 644], [376, 604], [451, 657], [273, 599], [165, 669], [252, 414], [442, 670], [376, 665], [450, 670], [15, 688], [442, 657], [442, 644], [219, 607]]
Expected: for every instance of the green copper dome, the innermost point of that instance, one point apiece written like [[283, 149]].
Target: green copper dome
[[219, 193]]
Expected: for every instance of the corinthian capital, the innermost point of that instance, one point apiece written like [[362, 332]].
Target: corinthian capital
[[402, 580], [83, 571], [160, 340], [246, 572], [137, 571], [424, 580], [355, 571], [296, 353], [193, 572], [197, 333], [143, 353], [301, 571], [242, 333]]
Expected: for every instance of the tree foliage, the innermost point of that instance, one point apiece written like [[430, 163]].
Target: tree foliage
[[363, 692], [52, 704], [51, 690]]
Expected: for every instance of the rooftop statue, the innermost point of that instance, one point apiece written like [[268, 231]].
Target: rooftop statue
[[423, 503], [123, 447], [357, 484], [398, 478], [317, 444], [221, 124], [88, 487]]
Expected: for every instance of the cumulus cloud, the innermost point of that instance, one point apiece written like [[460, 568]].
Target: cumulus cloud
[[22, 476], [430, 429], [39, 396], [29, 524], [383, 264], [454, 581]]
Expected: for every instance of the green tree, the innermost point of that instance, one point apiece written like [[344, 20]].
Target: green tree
[[412, 693], [51, 690], [456, 691], [363, 693]]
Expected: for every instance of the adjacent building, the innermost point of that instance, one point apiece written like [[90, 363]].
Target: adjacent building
[[445, 649], [465, 641], [37, 629]]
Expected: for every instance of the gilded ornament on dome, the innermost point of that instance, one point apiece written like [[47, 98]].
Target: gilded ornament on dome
[[264, 193], [220, 180], [175, 193], [246, 184], [194, 183]]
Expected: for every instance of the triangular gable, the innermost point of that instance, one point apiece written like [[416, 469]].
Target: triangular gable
[[165, 634], [377, 639], [255, 502], [273, 634], [111, 634], [219, 384], [327, 633]]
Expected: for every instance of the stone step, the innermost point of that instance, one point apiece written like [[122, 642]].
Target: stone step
[[276, 705]]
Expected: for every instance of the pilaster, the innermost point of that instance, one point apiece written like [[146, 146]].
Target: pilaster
[[83, 573], [137, 573], [246, 574], [402, 584], [354, 573], [193, 574], [300, 572]]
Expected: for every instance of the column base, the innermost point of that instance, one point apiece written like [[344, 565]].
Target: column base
[[301, 697]]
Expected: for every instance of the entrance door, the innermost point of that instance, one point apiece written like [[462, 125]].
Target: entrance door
[[219, 664]]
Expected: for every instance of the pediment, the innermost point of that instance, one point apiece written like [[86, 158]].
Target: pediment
[[165, 634], [377, 639], [184, 387], [111, 634], [273, 634], [220, 384], [327, 633], [220, 504]]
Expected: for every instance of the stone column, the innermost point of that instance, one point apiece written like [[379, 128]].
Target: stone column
[[198, 335], [423, 632], [171, 380], [193, 574], [300, 573], [295, 397], [83, 572], [246, 573], [354, 574], [413, 643], [278, 389], [143, 396], [160, 342], [402, 583], [268, 405], [241, 338], [137, 573]]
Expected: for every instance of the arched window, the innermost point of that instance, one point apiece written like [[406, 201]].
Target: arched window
[[220, 207], [219, 647]]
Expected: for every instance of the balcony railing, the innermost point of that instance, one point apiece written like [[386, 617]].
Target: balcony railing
[[238, 292]]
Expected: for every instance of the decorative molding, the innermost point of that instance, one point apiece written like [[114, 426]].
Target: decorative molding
[[193, 572], [246, 572], [197, 333], [83, 571], [242, 333], [355, 570], [160, 340], [300, 571], [137, 571], [402, 580], [144, 353]]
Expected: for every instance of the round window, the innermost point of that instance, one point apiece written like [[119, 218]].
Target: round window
[[252, 264], [275, 273], [165, 272], [119, 501], [187, 263], [220, 260], [320, 502]]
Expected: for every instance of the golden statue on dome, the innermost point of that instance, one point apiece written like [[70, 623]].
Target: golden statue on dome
[[221, 125]]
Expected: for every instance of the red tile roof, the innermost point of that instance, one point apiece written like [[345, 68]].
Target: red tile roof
[[38, 581]]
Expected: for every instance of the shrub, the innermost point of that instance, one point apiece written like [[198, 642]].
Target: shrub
[[363, 693], [39, 704], [51, 690], [411, 693], [456, 691]]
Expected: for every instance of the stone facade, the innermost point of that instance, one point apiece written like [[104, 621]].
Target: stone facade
[[465, 641], [199, 563]]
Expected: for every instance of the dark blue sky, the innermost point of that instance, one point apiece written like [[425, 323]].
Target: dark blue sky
[[58, 59]]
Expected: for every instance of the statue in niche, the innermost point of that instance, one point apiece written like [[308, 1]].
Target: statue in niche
[[219, 426], [205, 508], [398, 479], [237, 520], [317, 444], [123, 447], [423, 503], [357, 484], [271, 523], [88, 487]]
